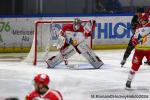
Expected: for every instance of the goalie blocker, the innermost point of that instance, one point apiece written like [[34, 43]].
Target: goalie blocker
[[83, 49]]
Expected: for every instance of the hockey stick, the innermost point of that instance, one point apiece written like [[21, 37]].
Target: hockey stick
[[143, 37], [120, 26]]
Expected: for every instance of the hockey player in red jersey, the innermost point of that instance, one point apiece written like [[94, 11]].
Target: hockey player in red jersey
[[42, 91], [141, 40], [71, 40], [134, 25]]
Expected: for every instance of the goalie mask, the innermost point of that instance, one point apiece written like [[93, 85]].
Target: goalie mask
[[76, 24]]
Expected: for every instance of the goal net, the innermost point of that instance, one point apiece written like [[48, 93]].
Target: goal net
[[45, 36]]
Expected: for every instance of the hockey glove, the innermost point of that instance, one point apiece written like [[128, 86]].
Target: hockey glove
[[134, 41], [144, 39]]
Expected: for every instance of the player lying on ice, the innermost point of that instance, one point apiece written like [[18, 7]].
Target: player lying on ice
[[141, 40], [71, 40]]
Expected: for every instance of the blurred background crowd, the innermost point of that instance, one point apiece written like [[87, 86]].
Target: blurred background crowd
[[25, 7]]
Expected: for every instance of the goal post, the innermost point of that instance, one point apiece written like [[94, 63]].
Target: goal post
[[45, 35]]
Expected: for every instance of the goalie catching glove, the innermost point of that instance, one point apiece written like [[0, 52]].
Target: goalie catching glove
[[60, 42]]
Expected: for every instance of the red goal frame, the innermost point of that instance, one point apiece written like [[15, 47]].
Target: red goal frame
[[36, 30]]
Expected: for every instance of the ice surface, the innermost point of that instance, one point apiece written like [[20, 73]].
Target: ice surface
[[16, 79]]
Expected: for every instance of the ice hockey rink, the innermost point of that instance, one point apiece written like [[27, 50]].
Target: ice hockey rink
[[85, 84]]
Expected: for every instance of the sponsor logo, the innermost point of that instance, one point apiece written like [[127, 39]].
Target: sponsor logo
[[4, 27], [135, 60], [22, 32], [112, 31], [103, 30]]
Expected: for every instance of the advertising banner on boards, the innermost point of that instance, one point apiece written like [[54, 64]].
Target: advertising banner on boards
[[18, 32]]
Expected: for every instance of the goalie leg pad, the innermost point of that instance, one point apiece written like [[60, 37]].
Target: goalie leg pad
[[68, 51], [56, 60], [89, 55]]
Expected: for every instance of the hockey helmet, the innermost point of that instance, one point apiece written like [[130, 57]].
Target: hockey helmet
[[144, 16], [42, 78], [76, 23]]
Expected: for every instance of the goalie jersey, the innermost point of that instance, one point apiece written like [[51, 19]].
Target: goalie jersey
[[87, 30]]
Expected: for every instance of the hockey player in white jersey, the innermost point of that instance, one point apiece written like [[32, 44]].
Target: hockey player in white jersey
[[141, 40], [71, 40]]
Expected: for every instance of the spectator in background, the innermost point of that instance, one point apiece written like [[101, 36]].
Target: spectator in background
[[42, 91], [113, 6], [116, 6], [110, 6], [100, 7]]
